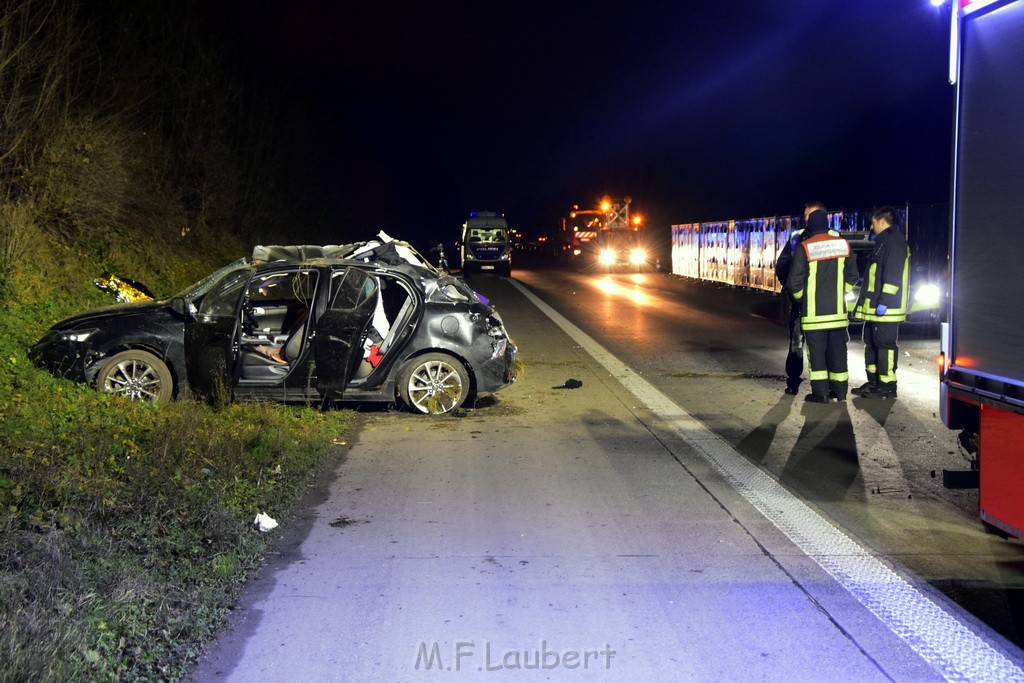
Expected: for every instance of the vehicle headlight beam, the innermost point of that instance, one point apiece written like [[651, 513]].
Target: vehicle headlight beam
[[928, 295]]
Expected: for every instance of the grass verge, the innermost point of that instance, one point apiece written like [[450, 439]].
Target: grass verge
[[126, 529]]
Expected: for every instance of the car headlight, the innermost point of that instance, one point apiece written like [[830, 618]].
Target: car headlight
[[637, 256], [78, 336], [469, 256], [606, 257], [928, 295]]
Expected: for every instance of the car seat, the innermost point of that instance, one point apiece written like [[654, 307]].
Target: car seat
[[256, 364]]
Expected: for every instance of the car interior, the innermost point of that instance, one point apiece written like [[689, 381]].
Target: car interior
[[391, 317], [276, 314]]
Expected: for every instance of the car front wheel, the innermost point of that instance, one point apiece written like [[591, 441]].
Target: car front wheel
[[433, 383], [138, 375]]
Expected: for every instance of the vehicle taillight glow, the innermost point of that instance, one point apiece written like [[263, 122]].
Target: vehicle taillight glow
[[968, 6]]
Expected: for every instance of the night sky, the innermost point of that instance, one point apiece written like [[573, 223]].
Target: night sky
[[418, 114]]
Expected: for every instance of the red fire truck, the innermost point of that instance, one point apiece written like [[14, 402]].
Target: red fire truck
[[579, 228], [982, 360]]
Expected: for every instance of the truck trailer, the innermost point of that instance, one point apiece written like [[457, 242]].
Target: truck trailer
[[982, 347]]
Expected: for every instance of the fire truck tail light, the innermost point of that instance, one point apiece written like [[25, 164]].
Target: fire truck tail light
[[968, 6]]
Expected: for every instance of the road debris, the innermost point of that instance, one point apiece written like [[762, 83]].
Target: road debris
[[264, 522]]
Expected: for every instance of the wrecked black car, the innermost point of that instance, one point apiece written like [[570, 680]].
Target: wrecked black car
[[365, 322]]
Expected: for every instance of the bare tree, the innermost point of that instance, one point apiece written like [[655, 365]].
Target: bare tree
[[38, 39]]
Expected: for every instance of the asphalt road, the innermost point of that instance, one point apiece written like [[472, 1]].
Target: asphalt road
[[874, 467], [585, 530]]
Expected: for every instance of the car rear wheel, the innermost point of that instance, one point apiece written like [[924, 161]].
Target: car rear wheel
[[433, 383], [138, 375]]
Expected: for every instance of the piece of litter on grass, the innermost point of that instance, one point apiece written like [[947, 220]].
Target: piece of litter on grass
[[264, 522]]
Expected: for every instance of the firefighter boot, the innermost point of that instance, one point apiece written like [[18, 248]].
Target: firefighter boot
[[865, 389], [882, 390]]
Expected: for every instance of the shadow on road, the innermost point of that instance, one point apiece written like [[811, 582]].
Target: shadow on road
[[878, 408], [823, 463], [755, 445]]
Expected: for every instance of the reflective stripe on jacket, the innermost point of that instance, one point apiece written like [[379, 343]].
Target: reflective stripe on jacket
[[821, 275], [886, 279]]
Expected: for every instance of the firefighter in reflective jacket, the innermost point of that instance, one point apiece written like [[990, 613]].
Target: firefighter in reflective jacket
[[822, 273], [883, 304]]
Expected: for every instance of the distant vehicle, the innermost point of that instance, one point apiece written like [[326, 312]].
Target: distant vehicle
[[982, 347], [606, 238], [619, 250], [579, 228], [486, 243], [370, 321]]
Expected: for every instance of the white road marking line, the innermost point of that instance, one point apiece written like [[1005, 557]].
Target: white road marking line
[[950, 647]]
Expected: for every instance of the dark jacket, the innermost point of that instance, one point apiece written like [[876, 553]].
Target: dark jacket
[[784, 262], [823, 272], [886, 279]]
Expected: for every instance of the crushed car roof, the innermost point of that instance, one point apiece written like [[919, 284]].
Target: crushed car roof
[[385, 249]]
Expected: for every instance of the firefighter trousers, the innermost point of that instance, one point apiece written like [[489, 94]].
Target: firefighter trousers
[[795, 356], [826, 358], [881, 353]]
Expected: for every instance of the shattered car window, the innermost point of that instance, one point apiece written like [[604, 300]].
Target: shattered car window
[[203, 286], [283, 286], [223, 299], [351, 288]]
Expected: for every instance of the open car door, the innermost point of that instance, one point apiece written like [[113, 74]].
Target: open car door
[[340, 329], [211, 340]]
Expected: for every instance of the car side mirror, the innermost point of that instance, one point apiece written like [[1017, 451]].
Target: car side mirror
[[183, 307]]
